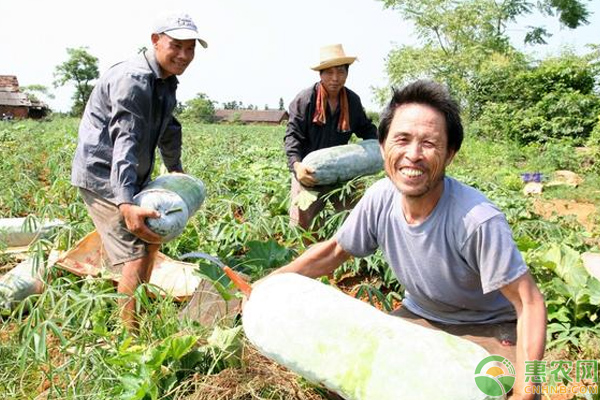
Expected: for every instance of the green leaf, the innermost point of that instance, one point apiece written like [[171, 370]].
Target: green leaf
[[181, 345], [593, 285], [225, 339], [227, 344], [305, 199], [267, 254], [217, 277], [566, 263]]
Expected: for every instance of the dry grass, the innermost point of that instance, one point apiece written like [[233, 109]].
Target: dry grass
[[259, 378]]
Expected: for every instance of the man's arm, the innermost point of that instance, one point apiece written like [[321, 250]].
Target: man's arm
[[528, 301], [170, 146], [364, 127], [296, 131], [319, 260], [130, 102], [127, 125], [295, 140]]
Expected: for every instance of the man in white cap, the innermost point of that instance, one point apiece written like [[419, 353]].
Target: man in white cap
[[323, 115], [128, 115]]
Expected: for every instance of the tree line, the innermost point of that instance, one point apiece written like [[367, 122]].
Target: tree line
[[81, 70], [464, 44]]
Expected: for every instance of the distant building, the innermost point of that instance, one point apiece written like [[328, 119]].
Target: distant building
[[15, 104], [267, 117]]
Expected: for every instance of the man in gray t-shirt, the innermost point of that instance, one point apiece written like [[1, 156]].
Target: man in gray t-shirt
[[448, 245]]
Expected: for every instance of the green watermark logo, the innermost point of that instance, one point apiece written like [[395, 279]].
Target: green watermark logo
[[495, 375]]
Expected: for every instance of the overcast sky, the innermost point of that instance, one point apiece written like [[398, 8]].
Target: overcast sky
[[259, 50]]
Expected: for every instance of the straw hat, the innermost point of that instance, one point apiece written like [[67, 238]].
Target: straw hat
[[332, 56]]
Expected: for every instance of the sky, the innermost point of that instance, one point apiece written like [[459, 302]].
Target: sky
[[258, 50]]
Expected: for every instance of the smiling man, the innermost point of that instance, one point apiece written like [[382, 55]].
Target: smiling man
[[323, 115], [448, 245], [128, 115]]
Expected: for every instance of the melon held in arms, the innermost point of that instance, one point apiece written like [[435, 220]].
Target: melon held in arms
[[176, 197], [342, 163], [354, 349]]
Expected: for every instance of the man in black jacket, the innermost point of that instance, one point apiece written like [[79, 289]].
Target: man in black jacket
[[323, 115]]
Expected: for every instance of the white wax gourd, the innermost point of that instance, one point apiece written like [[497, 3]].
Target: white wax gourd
[[354, 349]]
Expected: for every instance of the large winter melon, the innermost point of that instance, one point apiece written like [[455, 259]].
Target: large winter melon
[[354, 349], [176, 197], [22, 231], [342, 163]]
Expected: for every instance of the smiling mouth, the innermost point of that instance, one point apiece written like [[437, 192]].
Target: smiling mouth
[[411, 172]]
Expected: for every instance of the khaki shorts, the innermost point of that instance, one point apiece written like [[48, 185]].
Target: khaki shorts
[[120, 245]]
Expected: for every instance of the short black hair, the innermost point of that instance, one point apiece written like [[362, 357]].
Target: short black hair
[[428, 93]]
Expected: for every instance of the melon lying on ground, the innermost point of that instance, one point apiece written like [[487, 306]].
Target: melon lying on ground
[[342, 163], [354, 349], [19, 232], [176, 197], [19, 283]]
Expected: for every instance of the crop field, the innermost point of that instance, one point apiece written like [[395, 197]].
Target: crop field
[[66, 343]]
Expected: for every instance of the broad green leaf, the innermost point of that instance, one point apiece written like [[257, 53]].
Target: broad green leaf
[[566, 263], [593, 285], [305, 199], [181, 345], [267, 254], [225, 339]]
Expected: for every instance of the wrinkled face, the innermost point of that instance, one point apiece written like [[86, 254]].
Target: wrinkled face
[[415, 152], [334, 79], [173, 55]]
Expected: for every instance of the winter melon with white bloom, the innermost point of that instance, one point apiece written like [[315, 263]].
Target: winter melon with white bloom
[[176, 197], [354, 349], [341, 163]]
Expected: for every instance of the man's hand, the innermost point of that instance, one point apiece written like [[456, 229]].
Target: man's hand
[[135, 217], [304, 174]]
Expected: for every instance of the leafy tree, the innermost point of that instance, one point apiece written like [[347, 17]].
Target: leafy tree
[[238, 105], [552, 100], [232, 105], [80, 69], [458, 37], [281, 104], [451, 21], [199, 109], [33, 91]]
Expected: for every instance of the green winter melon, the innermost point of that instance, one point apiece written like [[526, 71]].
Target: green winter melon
[[176, 197], [342, 163]]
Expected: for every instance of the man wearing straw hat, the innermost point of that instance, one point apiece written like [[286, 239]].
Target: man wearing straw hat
[[323, 115], [128, 115]]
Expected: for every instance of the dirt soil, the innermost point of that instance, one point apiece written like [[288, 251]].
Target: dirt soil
[[585, 213]]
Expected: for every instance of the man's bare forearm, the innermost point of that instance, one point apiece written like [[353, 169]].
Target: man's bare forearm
[[319, 260]]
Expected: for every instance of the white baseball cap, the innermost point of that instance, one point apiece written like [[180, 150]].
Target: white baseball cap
[[179, 26]]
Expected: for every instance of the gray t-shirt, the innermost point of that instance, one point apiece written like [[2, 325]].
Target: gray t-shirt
[[452, 264]]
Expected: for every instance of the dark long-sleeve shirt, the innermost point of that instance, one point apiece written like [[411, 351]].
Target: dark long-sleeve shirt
[[302, 136], [128, 115]]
